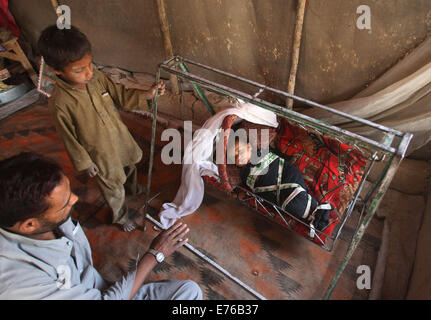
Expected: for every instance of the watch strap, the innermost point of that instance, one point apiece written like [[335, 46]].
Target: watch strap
[[154, 253]]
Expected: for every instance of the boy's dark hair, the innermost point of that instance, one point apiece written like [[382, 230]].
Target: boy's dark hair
[[59, 47], [26, 180]]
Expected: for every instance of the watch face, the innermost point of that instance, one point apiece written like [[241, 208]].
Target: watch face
[[160, 257]]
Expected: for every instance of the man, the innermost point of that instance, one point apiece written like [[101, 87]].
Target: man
[[44, 254]]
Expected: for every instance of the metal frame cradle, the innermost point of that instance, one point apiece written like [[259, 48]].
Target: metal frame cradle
[[390, 147]]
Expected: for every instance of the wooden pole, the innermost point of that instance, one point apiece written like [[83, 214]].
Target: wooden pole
[[300, 12], [14, 52], [55, 6], [164, 25]]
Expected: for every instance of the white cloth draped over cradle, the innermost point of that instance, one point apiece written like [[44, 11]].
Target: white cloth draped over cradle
[[197, 161]]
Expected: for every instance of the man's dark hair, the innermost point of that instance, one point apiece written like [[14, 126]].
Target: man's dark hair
[[26, 180], [60, 47]]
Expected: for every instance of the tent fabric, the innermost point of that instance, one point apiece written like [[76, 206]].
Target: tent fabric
[[399, 99]]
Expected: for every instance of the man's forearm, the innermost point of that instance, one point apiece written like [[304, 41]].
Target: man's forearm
[[166, 242], [146, 265]]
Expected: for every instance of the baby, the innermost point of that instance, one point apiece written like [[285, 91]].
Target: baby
[[273, 178]]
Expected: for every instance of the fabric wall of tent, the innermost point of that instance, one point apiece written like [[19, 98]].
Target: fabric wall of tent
[[253, 39]]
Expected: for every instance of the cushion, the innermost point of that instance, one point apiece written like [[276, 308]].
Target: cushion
[[332, 170]]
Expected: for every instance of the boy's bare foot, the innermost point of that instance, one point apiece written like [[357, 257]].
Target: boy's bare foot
[[135, 220], [138, 190]]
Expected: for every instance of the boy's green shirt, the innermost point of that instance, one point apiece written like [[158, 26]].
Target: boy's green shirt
[[91, 128]]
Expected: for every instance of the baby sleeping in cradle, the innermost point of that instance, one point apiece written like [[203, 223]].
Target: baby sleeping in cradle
[[274, 179]]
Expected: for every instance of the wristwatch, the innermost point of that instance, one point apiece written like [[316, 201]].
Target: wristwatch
[[159, 256]]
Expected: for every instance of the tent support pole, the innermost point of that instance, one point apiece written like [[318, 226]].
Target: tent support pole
[[164, 25], [295, 51]]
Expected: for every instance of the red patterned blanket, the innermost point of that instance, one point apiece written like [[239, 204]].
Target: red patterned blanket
[[332, 170]]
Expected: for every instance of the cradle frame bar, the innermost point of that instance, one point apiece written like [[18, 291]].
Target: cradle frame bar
[[328, 130], [199, 91], [352, 203], [154, 105], [292, 96], [181, 61], [261, 202], [396, 154], [383, 185], [213, 263]]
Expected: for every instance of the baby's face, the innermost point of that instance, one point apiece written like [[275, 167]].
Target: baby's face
[[242, 154]]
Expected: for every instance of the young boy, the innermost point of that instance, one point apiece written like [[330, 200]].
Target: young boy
[[84, 106], [279, 182]]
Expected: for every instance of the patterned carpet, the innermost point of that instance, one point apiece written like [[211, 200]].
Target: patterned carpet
[[273, 261]]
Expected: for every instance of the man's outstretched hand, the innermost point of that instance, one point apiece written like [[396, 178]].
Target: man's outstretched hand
[[171, 239]]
